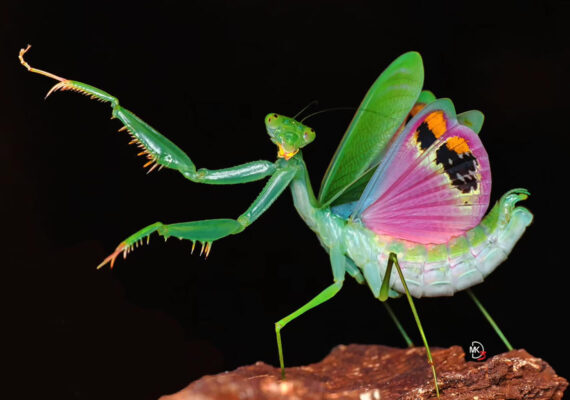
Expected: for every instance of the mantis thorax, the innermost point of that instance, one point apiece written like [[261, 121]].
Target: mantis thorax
[[288, 134]]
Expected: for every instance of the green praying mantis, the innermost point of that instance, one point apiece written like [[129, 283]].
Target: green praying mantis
[[401, 207]]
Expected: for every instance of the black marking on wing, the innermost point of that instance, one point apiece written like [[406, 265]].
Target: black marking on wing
[[425, 137], [460, 168]]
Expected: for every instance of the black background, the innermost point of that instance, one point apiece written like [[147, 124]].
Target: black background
[[205, 74]]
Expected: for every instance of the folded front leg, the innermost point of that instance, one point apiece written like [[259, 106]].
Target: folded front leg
[[207, 231]]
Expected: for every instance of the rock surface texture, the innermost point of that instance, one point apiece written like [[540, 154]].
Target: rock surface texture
[[371, 372]]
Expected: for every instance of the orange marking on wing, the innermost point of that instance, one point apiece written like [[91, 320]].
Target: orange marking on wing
[[436, 123], [458, 145], [416, 109]]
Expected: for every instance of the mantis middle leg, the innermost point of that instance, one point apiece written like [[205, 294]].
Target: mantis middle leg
[[339, 269]]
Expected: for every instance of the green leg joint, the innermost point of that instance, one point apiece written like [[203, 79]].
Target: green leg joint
[[325, 295]]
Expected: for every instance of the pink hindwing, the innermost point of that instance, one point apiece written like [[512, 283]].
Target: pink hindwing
[[434, 182]]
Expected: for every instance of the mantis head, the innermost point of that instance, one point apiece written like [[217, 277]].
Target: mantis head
[[288, 134]]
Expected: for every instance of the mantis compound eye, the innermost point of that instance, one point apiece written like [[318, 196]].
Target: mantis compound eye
[[272, 118], [309, 136]]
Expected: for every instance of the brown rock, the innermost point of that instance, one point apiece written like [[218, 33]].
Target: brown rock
[[370, 372]]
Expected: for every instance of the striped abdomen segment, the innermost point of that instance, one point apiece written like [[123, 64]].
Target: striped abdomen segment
[[464, 261]]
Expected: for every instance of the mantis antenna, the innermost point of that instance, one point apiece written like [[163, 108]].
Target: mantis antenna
[[327, 110], [312, 103]]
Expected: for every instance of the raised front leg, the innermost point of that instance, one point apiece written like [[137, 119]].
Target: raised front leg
[[207, 231], [159, 150]]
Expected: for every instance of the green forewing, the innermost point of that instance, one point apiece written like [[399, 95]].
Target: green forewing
[[379, 116], [354, 190]]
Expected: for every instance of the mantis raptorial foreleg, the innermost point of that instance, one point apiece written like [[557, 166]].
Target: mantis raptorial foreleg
[[207, 231], [383, 296], [204, 232], [159, 150]]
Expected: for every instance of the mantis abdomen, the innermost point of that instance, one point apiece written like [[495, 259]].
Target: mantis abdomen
[[431, 270]]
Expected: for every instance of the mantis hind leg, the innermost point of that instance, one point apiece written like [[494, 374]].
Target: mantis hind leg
[[383, 296], [354, 271], [490, 319], [399, 326]]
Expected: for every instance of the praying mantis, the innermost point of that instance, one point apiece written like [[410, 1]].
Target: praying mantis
[[401, 207]]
